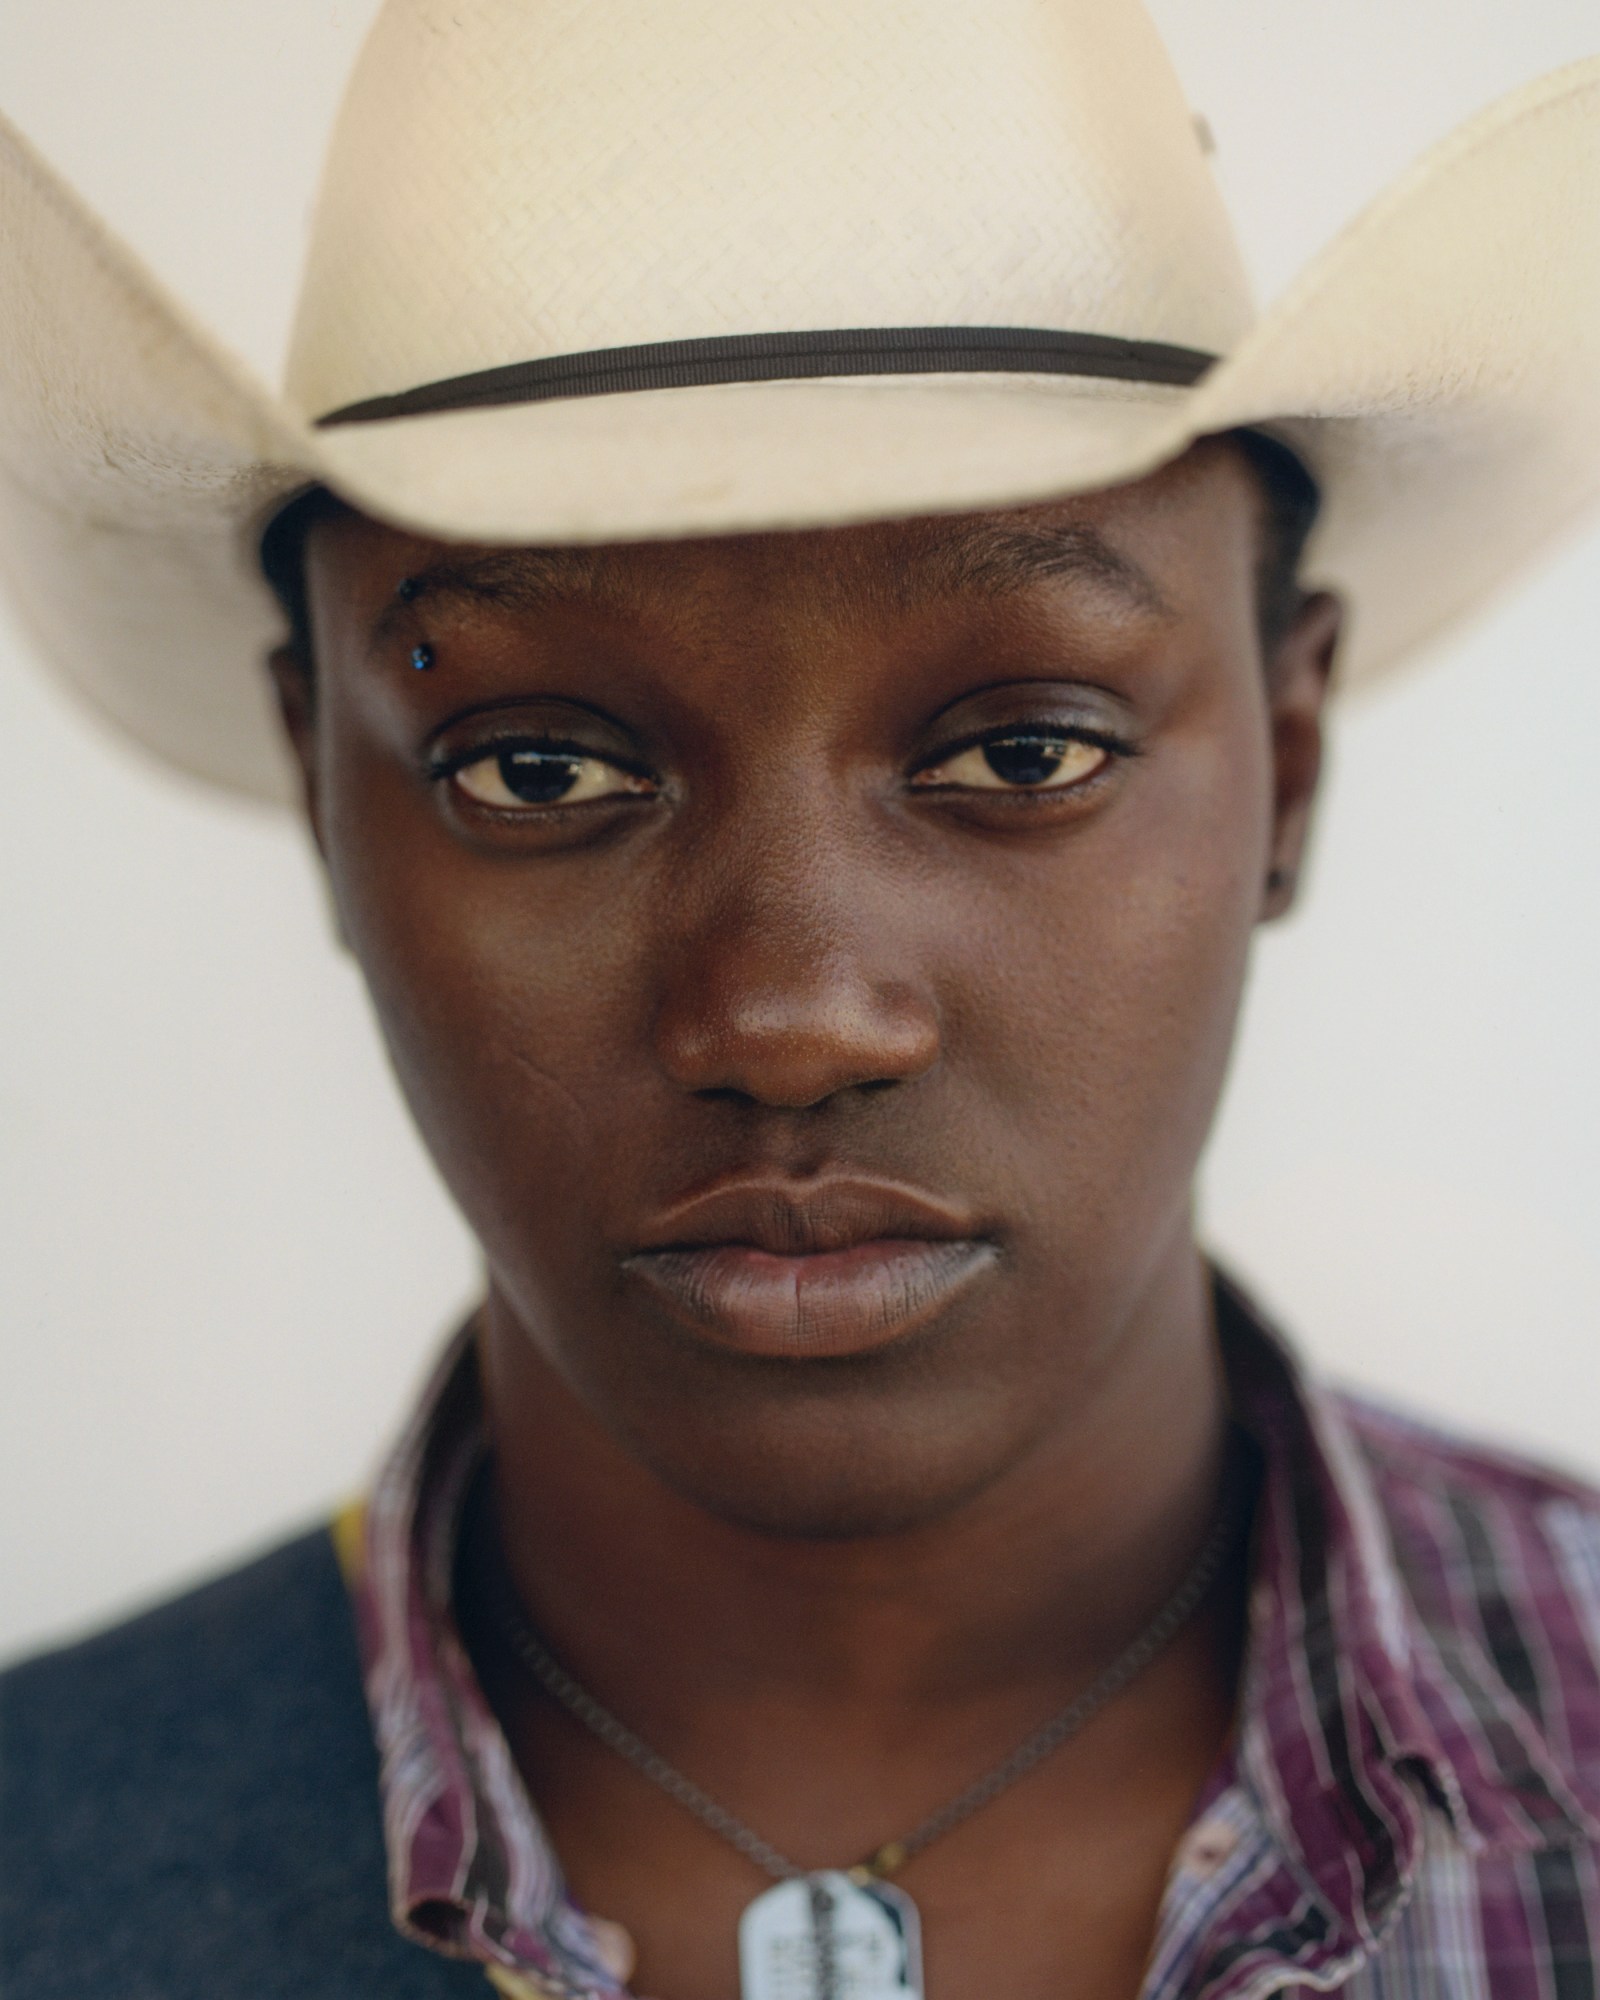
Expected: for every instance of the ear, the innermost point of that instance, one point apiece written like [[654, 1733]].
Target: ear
[[1298, 676], [291, 677]]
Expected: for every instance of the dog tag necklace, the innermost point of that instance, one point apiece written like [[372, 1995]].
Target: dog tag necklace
[[837, 1933]]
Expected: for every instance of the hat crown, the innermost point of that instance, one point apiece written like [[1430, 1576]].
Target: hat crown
[[515, 179]]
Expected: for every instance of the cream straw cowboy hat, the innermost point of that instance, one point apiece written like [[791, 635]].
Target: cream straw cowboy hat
[[594, 270]]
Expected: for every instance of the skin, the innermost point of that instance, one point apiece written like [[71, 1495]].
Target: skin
[[800, 930]]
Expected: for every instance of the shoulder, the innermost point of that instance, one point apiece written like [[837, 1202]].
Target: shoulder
[[1498, 1556], [192, 1798], [1422, 1469], [227, 1643]]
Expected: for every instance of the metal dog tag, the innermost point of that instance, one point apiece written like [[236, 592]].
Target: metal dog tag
[[824, 1937]]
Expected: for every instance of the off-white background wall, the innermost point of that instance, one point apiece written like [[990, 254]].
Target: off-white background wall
[[223, 1259]]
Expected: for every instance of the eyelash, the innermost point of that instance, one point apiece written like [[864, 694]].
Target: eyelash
[[1068, 732], [451, 762]]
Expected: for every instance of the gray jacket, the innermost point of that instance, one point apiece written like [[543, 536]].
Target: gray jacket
[[189, 1807]]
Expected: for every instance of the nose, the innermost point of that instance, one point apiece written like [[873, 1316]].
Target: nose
[[781, 984]]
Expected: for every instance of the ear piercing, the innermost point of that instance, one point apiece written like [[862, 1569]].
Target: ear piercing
[[422, 658], [1279, 879]]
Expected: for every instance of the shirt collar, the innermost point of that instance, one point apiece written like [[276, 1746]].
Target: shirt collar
[[472, 1873]]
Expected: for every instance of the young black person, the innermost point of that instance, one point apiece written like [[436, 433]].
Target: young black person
[[924, 1055], [803, 702]]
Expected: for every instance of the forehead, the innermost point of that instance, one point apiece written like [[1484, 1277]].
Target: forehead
[[1142, 550]]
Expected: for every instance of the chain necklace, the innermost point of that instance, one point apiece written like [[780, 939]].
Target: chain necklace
[[837, 1934]]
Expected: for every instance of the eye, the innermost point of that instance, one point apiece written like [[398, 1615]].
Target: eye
[[544, 774], [1035, 760]]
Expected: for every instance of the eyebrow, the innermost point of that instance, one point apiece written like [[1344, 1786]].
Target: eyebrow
[[510, 579], [999, 557]]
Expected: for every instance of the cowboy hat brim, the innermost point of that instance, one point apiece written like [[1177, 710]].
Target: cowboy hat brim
[[1438, 366]]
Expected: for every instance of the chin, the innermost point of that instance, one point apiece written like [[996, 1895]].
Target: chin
[[816, 1469], [852, 1510]]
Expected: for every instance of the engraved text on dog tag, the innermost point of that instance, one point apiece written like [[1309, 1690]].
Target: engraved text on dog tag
[[824, 1937]]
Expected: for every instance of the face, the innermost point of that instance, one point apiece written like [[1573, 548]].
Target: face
[[812, 958]]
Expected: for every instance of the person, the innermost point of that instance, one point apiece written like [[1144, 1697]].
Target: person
[[801, 606]]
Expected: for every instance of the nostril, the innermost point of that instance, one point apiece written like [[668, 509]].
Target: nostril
[[725, 1093]]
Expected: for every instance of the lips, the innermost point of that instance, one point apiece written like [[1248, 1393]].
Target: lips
[[809, 1270]]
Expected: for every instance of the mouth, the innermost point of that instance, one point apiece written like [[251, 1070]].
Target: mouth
[[809, 1270]]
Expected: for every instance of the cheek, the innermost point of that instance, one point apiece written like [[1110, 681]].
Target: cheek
[[505, 993], [1114, 969]]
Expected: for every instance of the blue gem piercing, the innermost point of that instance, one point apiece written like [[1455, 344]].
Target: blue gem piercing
[[409, 587], [422, 658]]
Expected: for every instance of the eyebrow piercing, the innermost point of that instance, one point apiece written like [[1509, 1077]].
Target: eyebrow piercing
[[408, 588], [422, 658]]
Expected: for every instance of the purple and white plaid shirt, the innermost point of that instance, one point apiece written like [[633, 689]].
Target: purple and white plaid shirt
[[1410, 1805]]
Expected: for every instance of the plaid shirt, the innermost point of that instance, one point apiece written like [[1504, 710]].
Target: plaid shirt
[[1409, 1808]]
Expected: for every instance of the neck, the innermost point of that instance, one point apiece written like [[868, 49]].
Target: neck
[[1011, 1599]]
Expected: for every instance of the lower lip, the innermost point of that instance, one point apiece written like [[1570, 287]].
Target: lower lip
[[836, 1302]]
